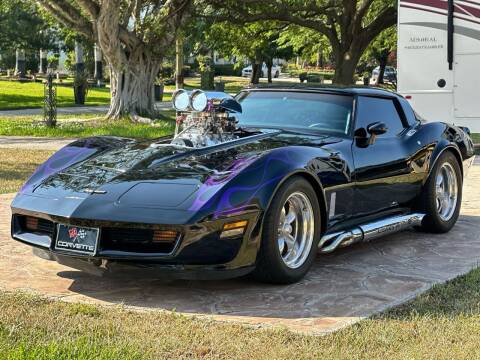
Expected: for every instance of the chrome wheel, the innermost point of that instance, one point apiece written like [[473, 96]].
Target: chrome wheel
[[296, 230], [446, 191]]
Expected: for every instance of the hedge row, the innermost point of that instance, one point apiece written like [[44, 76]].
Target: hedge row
[[326, 75], [220, 70], [227, 70]]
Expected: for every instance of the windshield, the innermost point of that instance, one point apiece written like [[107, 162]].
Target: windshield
[[296, 110]]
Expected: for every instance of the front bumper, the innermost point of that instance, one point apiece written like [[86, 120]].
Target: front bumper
[[122, 269], [199, 251]]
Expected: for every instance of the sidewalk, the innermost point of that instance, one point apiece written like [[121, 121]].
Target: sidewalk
[[74, 110], [33, 143]]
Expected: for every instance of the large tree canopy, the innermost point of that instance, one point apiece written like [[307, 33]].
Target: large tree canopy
[[309, 44], [349, 25], [257, 42], [21, 26], [134, 35]]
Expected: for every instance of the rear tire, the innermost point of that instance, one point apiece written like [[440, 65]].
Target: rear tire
[[291, 232], [441, 197]]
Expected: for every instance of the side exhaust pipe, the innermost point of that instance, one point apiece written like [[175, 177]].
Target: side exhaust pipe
[[368, 232]]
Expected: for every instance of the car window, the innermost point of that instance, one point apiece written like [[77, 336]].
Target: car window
[[371, 109], [295, 109]]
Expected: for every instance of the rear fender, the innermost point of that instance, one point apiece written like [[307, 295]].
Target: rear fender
[[441, 148]]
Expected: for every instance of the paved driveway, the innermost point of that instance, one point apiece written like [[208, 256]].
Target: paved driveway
[[341, 288]]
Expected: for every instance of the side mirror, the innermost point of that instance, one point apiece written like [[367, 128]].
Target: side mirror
[[366, 137], [377, 128]]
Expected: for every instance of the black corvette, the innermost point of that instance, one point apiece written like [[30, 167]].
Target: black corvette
[[259, 184]]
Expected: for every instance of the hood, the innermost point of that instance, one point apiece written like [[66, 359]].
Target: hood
[[150, 174]]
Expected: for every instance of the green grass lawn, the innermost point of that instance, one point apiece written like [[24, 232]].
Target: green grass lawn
[[16, 166], [16, 95], [76, 126], [444, 323], [476, 138]]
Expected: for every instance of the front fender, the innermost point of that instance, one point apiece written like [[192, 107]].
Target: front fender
[[69, 155], [253, 188]]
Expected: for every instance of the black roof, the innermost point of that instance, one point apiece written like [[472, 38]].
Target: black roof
[[350, 90]]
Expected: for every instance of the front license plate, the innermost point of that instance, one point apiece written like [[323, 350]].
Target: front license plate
[[77, 239]]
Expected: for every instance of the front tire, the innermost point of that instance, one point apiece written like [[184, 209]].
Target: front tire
[[291, 232], [442, 195]]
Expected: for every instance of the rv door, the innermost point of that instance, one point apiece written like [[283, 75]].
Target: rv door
[[466, 81]]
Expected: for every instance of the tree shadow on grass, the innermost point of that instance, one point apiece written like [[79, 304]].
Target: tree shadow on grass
[[23, 101], [15, 101]]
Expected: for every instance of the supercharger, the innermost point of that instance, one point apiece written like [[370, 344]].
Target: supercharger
[[204, 118]]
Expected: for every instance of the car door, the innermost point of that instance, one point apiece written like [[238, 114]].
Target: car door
[[383, 170]]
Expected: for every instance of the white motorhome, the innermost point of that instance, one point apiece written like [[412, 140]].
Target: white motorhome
[[439, 59]]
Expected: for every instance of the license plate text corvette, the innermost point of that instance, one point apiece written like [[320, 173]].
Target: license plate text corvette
[[77, 239]]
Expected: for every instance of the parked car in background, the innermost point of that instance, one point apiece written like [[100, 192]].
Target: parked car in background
[[276, 70], [390, 74]]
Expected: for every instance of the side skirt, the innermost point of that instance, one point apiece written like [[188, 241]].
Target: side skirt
[[369, 231]]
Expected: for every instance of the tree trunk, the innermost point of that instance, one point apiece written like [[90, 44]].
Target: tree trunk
[[79, 62], [179, 80], [43, 65], [256, 72], [269, 70], [346, 61], [20, 63], [320, 59], [132, 87], [98, 74], [383, 64]]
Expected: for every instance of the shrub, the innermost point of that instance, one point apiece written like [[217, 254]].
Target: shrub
[[53, 61], [168, 71], [325, 74], [227, 70]]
